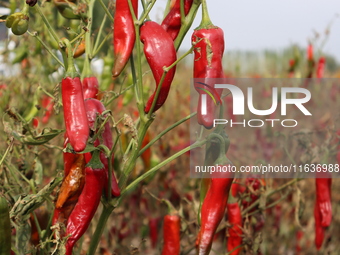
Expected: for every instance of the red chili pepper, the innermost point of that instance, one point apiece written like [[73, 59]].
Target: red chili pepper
[[83, 212], [235, 231], [171, 235], [310, 52], [208, 42], [172, 22], [95, 107], [319, 229], [77, 127], [47, 103], [124, 35], [146, 155], [323, 199], [90, 87], [310, 60], [212, 212], [160, 52], [320, 69], [153, 231]]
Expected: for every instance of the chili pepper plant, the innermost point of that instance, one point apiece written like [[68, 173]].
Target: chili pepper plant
[[95, 110]]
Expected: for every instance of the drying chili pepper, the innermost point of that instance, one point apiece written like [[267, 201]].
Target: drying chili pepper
[[5, 228], [172, 22], [212, 212], [90, 87], [73, 183], [320, 69], [323, 199], [77, 127], [70, 190], [171, 234], [124, 35], [208, 42], [235, 231], [93, 108], [83, 212], [160, 52], [319, 229]]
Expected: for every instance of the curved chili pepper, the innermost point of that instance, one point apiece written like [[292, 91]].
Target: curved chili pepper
[[160, 52], [319, 229], [212, 212], [93, 108], [208, 45], [323, 199], [90, 87], [172, 22], [77, 127], [171, 235], [124, 35], [235, 231], [83, 212]]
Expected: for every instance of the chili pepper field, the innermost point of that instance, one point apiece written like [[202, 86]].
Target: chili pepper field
[[105, 115]]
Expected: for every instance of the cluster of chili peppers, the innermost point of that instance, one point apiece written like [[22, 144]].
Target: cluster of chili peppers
[[83, 185]]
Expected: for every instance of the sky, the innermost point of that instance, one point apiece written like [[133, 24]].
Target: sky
[[271, 24]]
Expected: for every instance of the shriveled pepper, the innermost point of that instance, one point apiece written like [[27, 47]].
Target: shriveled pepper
[[160, 52], [5, 228], [208, 42], [70, 190], [235, 231], [75, 118], [172, 22], [171, 234], [124, 35], [90, 87]]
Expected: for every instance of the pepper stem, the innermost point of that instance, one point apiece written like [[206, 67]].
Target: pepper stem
[[206, 21], [71, 69]]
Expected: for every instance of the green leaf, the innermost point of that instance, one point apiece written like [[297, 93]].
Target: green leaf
[[95, 162], [45, 136]]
